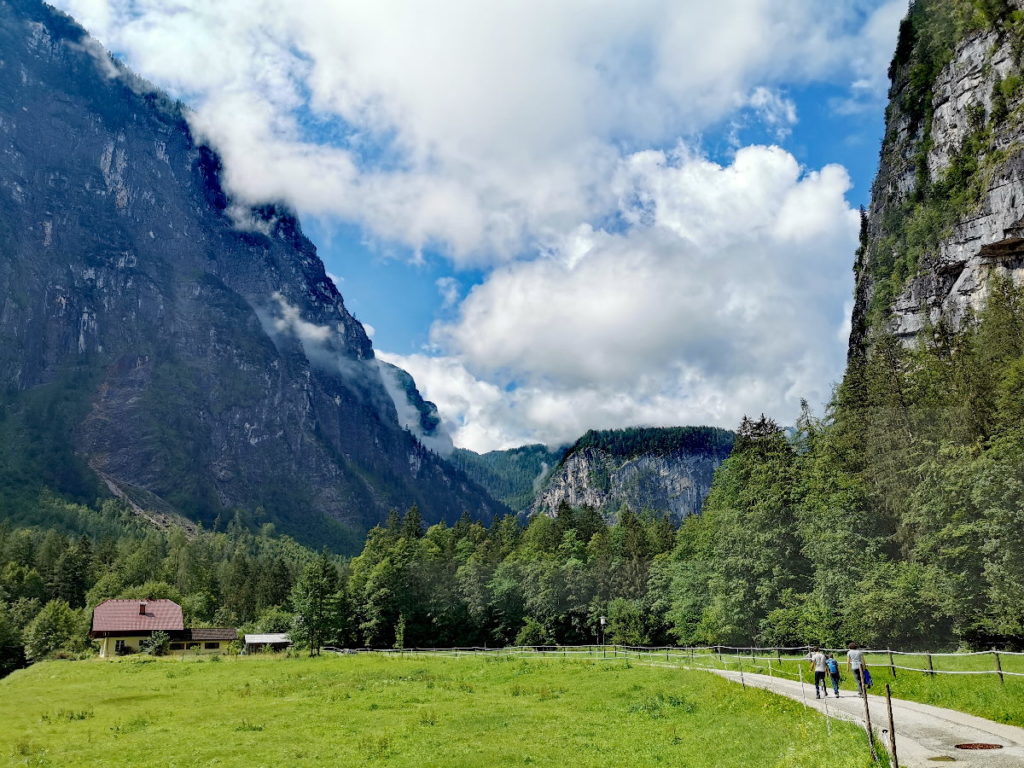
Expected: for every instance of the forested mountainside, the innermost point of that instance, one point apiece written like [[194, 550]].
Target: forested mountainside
[[899, 516], [465, 584], [161, 343], [665, 470], [512, 476]]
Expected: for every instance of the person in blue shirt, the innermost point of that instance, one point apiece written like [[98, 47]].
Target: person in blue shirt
[[833, 671]]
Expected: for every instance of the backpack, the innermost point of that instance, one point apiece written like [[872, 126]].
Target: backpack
[[867, 679], [833, 666]]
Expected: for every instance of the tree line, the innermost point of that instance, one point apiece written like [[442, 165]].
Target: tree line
[[896, 519]]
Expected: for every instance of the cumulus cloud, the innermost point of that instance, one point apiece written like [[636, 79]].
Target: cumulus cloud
[[623, 282], [482, 129], [723, 295]]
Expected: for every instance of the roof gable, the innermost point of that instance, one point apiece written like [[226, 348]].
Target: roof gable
[[137, 615]]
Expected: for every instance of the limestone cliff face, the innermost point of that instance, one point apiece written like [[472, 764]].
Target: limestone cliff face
[[947, 210], [159, 341], [661, 470]]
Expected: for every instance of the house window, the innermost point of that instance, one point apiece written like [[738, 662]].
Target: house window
[[119, 646], [212, 646], [177, 646], [193, 646]]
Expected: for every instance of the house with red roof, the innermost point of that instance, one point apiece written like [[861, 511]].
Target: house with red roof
[[120, 627]]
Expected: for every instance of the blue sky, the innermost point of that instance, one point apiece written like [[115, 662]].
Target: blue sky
[[555, 215]]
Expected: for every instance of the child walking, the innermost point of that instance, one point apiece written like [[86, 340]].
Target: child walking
[[833, 671]]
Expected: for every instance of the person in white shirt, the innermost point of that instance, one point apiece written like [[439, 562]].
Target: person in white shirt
[[817, 660], [855, 663]]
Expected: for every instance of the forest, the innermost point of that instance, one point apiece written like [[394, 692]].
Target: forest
[[896, 519]]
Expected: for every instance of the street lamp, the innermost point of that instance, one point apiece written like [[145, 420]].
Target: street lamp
[[603, 620]]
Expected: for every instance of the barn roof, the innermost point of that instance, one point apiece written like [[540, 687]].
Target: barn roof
[[267, 639], [137, 616], [208, 633]]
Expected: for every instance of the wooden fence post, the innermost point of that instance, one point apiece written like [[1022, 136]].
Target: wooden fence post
[[931, 669], [892, 665], [867, 723], [999, 667], [892, 728]]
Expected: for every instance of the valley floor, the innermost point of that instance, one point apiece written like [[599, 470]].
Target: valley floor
[[399, 711]]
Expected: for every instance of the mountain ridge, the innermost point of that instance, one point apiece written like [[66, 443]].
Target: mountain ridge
[[158, 336]]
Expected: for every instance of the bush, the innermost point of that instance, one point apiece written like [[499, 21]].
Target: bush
[[55, 628], [533, 633], [157, 644], [626, 625]]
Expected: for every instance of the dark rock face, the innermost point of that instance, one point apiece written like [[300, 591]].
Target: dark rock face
[[419, 416], [155, 337]]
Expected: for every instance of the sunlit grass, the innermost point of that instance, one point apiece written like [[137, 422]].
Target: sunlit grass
[[411, 711]]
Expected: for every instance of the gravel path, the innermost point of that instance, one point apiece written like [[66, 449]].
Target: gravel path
[[923, 732]]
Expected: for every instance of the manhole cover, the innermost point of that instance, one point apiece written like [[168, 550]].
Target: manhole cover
[[979, 745]]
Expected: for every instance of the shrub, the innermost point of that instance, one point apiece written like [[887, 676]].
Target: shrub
[[54, 629], [157, 644]]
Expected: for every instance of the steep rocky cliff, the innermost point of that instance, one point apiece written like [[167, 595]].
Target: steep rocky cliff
[[161, 343], [661, 470], [947, 210]]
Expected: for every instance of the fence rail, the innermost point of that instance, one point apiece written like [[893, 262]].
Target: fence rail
[[709, 656], [723, 657]]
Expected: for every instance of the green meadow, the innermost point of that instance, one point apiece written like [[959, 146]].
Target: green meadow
[[422, 711]]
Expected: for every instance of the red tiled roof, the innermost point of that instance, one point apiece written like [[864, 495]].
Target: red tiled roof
[[126, 616], [208, 633]]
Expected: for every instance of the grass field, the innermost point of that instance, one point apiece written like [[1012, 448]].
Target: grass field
[[981, 695], [405, 711]]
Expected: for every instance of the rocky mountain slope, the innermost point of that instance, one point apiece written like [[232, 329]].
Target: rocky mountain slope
[[947, 210], [158, 341], [662, 470], [513, 476]]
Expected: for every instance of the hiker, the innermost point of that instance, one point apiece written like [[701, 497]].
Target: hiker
[[818, 665], [833, 671], [855, 663]]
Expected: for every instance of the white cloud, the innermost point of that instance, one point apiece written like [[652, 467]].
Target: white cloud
[[777, 112], [507, 135], [870, 59], [291, 320], [409, 416], [498, 122], [448, 287], [723, 296]]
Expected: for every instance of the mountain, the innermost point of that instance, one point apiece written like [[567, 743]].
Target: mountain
[[947, 210], [160, 341], [658, 469], [512, 476]]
